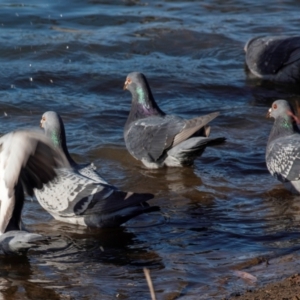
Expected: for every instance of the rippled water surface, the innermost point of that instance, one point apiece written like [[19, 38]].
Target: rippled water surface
[[220, 218]]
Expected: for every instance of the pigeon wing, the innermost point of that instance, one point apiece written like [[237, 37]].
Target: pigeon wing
[[283, 158], [29, 157], [150, 137], [192, 126]]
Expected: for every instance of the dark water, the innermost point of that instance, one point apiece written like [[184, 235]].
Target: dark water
[[224, 216]]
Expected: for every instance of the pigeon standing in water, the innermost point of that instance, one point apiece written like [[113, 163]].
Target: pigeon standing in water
[[83, 197], [27, 162], [158, 139], [283, 148], [275, 58]]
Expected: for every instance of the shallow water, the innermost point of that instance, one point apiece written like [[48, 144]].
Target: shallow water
[[224, 216]]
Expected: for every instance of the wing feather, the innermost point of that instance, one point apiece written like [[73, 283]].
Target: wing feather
[[27, 156]]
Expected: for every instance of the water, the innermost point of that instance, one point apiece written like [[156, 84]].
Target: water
[[224, 216]]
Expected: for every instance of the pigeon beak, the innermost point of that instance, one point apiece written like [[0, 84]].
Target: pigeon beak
[[41, 124], [125, 85], [127, 82], [269, 113]]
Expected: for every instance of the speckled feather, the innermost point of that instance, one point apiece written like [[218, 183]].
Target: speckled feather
[[283, 147], [80, 195], [283, 158], [76, 199]]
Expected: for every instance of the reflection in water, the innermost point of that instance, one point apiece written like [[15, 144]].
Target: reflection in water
[[15, 280]]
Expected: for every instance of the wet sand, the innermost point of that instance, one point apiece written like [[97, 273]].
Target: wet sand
[[287, 289]]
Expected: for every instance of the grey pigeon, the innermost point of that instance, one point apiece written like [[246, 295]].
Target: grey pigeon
[[283, 148], [275, 58], [85, 198], [27, 161], [158, 139], [54, 129], [19, 242]]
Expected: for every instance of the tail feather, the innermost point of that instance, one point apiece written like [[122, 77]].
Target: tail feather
[[188, 150], [116, 201], [118, 218], [117, 208], [192, 126]]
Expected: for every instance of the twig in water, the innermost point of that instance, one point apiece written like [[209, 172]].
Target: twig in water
[[149, 281]]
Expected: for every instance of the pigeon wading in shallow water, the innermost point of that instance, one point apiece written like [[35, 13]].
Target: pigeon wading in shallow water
[[80, 195], [283, 148], [27, 162], [275, 58], [158, 139]]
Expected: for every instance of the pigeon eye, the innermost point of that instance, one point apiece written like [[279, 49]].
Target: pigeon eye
[[275, 106], [128, 81], [43, 118]]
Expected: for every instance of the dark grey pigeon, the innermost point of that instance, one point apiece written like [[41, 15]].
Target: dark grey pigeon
[[85, 198], [157, 139], [283, 148], [27, 161], [275, 58]]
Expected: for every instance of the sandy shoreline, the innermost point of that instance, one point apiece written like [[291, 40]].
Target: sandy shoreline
[[287, 289]]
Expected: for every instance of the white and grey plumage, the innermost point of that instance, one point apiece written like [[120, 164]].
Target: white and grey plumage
[[283, 148], [19, 241], [158, 139], [275, 58], [27, 161], [81, 196]]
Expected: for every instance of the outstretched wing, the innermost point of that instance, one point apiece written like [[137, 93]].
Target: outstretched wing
[[27, 157]]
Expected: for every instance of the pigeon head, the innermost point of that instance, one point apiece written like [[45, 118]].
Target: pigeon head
[[53, 126], [142, 98], [54, 129], [285, 119], [282, 109]]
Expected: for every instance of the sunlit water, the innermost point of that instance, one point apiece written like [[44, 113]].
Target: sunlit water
[[224, 216]]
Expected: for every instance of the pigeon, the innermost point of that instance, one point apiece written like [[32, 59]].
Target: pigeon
[[283, 147], [54, 129], [19, 241], [157, 139], [27, 162], [85, 198], [275, 58]]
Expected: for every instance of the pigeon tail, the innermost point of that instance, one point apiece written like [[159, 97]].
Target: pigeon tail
[[195, 127], [115, 201], [118, 208], [186, 152], [117, 218]]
